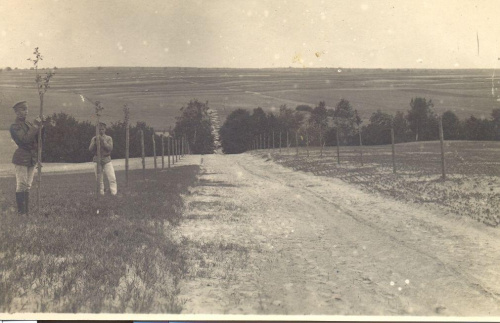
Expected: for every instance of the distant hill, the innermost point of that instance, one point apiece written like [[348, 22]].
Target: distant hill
[[155, 94]]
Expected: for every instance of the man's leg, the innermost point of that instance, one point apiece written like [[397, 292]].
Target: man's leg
[[100, 179], [31, 174], [110, 175], [21, 185]]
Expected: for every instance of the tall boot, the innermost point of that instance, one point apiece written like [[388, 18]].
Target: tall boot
[[20, 203], [27, 202]]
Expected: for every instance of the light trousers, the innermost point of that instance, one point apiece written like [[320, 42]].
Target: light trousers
[[110, 175], [24, 177]]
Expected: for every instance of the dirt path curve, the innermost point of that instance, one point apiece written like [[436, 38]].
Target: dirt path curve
[[263, 239]]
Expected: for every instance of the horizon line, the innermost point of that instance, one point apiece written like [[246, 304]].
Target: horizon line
[[251, 68]]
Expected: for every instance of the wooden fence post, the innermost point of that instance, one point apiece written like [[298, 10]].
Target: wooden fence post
[[307, 141], [154, 151], [360, 145], [177, 150], [127, 144], [174, 151], [441, 138], [320, 141], [338, 144], [280, 141], [98, 161], [162, 152], [287, 143], [143, 154], [393, 151], [296, 143], [168, 151]]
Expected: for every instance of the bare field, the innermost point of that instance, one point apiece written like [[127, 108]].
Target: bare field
[[155, 95], [472, 187]]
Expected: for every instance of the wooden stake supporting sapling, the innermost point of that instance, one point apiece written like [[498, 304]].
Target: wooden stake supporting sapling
[[358, 121], [338, 142], [393, 150], [143, 155], [168, 150], [154, 150], [162, 152], [441, 139], [126, 112], [98, 110], [280, 141], [296, 143]]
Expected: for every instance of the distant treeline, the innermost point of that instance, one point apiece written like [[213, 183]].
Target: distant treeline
[[67, 140], [321, 126]]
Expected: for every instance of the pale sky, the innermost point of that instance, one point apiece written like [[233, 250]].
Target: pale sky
[[255, 34]]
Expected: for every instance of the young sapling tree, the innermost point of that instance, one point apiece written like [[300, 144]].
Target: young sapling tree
[[42, 84]]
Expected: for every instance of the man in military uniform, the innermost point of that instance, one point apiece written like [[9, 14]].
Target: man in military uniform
[[24, 134], [106, 145]]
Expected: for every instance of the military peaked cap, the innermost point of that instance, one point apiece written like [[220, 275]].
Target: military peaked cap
[[20, 105]]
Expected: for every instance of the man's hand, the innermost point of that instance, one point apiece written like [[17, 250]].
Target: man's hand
[[39, 121]]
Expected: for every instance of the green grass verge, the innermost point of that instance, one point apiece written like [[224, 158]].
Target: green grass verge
[[73, 259]]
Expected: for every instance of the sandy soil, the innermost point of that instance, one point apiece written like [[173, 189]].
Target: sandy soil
[[263, 239]]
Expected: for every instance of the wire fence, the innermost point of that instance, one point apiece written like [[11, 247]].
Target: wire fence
[[430, 157]]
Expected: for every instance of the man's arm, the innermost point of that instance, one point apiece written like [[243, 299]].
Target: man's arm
[[107, 144], [20, 137], [92, 144]]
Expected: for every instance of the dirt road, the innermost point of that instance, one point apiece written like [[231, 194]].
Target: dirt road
[[263, 239]]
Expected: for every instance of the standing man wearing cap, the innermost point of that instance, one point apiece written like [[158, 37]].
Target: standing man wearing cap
[[106, 143], [24, 134]]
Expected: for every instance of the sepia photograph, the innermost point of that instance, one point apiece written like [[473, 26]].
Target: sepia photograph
[[288, 159]]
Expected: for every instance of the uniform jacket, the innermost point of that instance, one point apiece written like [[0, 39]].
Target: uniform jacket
[[106, 148], [24, 134]]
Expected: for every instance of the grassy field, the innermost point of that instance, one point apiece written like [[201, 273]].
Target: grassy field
[[73, 259], [155, 95], [7, 147], [472, 187]]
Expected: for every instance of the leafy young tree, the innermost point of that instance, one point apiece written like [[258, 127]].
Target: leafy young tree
[[402, 131], [422, 120], [451, 126], [495, 115], [286, 119], [318, 123], [235, 133], [196, 125], [273, 126], [258, 122], [479, 129], [378, 131], [303, 107], [344, 119]]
